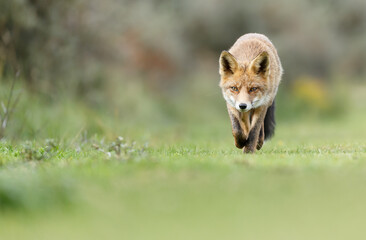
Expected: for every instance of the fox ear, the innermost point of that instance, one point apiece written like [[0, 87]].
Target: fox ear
[[228, 63], [260, 65]]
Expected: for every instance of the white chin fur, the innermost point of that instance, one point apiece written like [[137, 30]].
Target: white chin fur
[[256, 103]]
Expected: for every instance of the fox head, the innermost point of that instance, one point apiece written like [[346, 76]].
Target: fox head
[[244, 86]]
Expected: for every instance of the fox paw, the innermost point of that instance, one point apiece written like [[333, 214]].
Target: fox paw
[[240, 142], [248, 149], [259, 145]]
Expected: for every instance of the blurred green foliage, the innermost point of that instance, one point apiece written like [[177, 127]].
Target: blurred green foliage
[[74, 43], [130, 67], [150, 62], [50, 42]]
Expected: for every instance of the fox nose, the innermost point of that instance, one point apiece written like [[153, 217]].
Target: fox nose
[[242, 106]]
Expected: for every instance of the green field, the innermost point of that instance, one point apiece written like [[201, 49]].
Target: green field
[[182, 178]]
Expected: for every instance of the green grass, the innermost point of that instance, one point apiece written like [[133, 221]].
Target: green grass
[[182, 179]]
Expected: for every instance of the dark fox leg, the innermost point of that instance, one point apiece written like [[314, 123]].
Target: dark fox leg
[[269, 122], [261, 137]]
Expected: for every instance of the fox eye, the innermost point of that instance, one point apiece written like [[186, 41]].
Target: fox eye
[[234, 89], [253, 89]]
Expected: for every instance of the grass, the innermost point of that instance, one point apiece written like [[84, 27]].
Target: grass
[[182, 179]]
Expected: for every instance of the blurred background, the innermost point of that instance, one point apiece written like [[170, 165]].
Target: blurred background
[[135, 66]]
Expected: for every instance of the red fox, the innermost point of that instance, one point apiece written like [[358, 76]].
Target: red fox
[[250, 75]]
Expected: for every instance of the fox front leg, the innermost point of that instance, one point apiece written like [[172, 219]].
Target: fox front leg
[[238, 133], [255, 128], [239, 129]]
